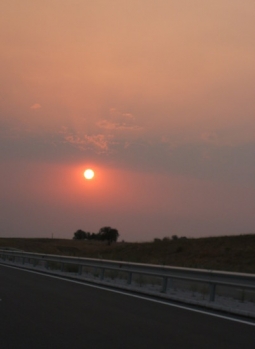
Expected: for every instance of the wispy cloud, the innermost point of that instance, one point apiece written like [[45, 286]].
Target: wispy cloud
[[111, 125], [99, 143], [119, 121]]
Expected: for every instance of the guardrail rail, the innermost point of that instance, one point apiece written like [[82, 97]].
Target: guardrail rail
[[233, 292]]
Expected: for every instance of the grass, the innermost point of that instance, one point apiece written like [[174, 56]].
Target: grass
[[229, 253]]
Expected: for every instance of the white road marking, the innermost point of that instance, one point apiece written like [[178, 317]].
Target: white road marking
[[137, 296]]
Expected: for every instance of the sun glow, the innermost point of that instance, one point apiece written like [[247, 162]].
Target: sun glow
[[89, 174]]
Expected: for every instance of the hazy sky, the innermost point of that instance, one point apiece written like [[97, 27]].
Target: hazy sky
[[157, 96]]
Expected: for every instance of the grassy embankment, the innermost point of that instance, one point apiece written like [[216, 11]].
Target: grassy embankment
[[229, 253]]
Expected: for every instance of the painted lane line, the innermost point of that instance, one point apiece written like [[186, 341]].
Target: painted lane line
[[225, 317]]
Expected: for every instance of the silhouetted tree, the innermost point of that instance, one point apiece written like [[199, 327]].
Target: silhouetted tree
[[175, 237], [79, 235], [109, 234], [93, 236], [105, 234]]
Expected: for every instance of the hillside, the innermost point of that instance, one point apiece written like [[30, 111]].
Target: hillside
[[229, 253]]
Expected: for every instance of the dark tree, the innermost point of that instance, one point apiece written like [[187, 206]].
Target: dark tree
[[79, 235], [109, 234], [93, 236], [105, 234]]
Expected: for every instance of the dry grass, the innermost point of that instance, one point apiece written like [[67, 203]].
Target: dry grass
[[229, 253]]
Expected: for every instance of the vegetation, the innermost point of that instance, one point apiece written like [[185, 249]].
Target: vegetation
[[105, 234], [229, 253]]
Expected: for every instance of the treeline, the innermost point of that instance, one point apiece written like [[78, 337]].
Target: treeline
[[105, 234], [167, 239]]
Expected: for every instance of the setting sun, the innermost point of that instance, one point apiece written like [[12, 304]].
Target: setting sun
[[89, 174]]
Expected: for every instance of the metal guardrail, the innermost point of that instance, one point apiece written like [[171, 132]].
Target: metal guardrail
[[165, 275]]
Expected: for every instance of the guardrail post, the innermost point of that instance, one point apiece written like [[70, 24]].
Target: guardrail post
[[168, 279], [129, 279], [212, 292], [170, 284], [102, 274], [164, 284]]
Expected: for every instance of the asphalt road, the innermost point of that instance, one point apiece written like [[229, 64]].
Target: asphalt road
[[38, 311]]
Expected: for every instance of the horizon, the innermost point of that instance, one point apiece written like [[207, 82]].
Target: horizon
[[119, 240]]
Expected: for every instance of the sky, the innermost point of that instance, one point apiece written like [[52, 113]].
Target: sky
[[156, 96]]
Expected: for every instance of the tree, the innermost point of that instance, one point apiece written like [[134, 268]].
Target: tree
[[105, 234], [175, 237], [79, 235], [93, 236], [109, 234]]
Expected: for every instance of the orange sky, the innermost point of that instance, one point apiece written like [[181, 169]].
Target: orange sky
[[157, 96]]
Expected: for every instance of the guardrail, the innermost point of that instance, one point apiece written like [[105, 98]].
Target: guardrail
[[165, 281]]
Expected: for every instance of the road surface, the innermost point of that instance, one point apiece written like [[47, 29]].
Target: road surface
[[38, 311]]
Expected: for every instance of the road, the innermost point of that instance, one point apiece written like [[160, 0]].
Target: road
[[37, 311]]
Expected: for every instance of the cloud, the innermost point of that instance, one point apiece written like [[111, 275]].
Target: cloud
[[123, 126], [119, 121], [36, 106], [99, 143]]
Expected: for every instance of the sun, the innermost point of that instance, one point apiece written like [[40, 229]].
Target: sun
[[89, 174]]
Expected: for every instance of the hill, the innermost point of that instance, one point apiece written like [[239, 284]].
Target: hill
[[229, 253]]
